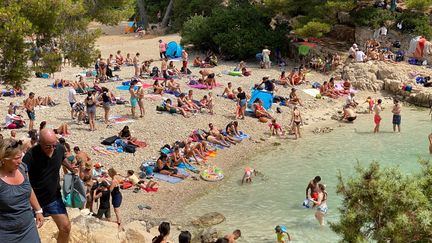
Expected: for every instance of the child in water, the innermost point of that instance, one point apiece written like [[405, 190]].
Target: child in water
[[282, 234], [247, 177]]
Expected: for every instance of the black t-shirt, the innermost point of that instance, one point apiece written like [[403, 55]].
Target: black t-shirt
[[268, 85], [44, 173], [105, 98], [241, 95], [104, 202]]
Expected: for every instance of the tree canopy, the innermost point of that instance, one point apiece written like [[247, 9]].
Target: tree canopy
[[385, 205]]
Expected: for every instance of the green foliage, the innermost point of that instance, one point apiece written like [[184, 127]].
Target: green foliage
[[109, 12], [50, 62], [184, 9], [13, 49], [384, 205], [372, 17], [418, 4], [415, 24], [230, 30], [313, 29], [80, 48]]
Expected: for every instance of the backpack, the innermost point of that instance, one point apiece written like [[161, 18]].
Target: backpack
[[110, 140], [74, 191], [188, 70], [129, 148], [154, 72]]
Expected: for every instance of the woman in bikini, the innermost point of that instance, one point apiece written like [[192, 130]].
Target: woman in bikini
[[294, 99], [157, 88], [90, 103], [163, 166], [296, 122], [140, 97], [321, 202], [259, 110]]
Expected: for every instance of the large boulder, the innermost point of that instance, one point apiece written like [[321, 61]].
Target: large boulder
[[209, 219]]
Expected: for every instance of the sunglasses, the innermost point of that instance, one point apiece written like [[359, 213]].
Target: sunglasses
[[15, 144]]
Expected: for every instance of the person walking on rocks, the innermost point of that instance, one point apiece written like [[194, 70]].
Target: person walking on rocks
[[44, 162], [377, 117], [396, 115]]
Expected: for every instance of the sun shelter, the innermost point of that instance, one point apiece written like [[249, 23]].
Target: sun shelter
[[174, 50], [265, 96]]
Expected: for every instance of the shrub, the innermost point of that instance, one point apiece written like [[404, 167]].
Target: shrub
[[418, 4], [196, 31], [415, 24], [372, 17], [313, 29]]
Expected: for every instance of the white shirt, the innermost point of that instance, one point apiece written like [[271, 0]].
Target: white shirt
[[9, 119], [71, 95], [349, 100], [352, 51], [359, 56], [383, 30]]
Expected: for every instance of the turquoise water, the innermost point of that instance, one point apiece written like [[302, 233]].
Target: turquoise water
[[257, 208]]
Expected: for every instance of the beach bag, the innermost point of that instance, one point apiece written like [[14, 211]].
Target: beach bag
[[38, 75], [129, 148], [110, 140], [74, 191], [316, 85], [154, 72], [188, 71], [397, 44]]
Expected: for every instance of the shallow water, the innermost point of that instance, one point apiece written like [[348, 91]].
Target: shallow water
[[276, 199]]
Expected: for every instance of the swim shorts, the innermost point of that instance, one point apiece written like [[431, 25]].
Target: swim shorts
[[55, 207], [134, 101], [31, 115], [396, 119], [377, 119], [243, 102]]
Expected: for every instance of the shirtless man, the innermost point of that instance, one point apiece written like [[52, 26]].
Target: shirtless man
[[208, 77], [396, 115], [185, 57], [230, 92], [136, 63], [119, 58], [81, 157], [164, 69], [233, 236], [313, 186], [377, 117], [140, 96], [349, 114], [217, 134], [29, 105]]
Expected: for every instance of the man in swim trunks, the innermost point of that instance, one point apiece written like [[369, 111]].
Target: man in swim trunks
[[229, 92], [313, 186], [396, 115], [133, 97], [29, 105], [349, 114], [377, 117]]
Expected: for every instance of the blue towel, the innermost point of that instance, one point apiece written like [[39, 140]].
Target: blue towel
[[184, 166], [167, 178], [175, 93], [216, 145]]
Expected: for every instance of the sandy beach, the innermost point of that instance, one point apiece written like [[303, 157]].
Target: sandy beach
[[157, 129]]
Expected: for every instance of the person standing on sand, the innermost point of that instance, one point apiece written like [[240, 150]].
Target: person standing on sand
[[136, 63], [164, 69], [296, 122], [266, 57], [44, 162], [72, 100], [185, 57], [313, 186], [162, 49], [140, 97], [133, 97], [29, 105], [377, 117], [396, 115]]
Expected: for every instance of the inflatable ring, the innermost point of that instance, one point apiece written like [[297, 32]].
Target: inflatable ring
[[212, 174], [235, 73]]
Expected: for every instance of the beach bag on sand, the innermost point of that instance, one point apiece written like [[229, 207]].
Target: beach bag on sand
[[129, 148], [188, 70], [154, 72], [74, 191], [110, 140], [316, 85]]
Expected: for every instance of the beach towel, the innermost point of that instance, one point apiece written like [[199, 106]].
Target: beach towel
[[104, 151], [126, 87], [175, 93], [59, 86], [339, 86], [139, 144], [167, 178], [242, 136], [218, 146], [203, 86], [154, 97], [311, 92], [41, 107], [186, 167], [120, 119]]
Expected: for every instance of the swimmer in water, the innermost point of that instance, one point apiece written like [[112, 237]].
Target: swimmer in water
[[247, 177], [282, 235]]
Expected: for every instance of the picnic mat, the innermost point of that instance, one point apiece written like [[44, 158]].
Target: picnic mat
[[311, 92], [120, 119], [126, 87], [104, 151], [167, 178], [203, 86], [139, 144]]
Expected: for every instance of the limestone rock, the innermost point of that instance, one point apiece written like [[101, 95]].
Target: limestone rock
[[209, 219]]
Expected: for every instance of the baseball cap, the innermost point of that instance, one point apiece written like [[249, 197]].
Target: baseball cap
[[98, 165]]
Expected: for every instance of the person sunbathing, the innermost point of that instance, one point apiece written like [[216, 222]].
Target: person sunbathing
[[324, 90], [177, 158], [129, 60], [63, 129], [173, 86], [232, 128], [13, 121], [58, 83], [157, 88], [172, 109], [191, 152], [131, 177], [120, 60], [184, 103], [125, 134], [197, 62], [45, 101], [145, 68], [17, 91], [332, 89], [206, 136], [217, 134], [294, 99], [283, 79], [163, 167], [82, 84], [230, 92], [259, 109], [172, 70]]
